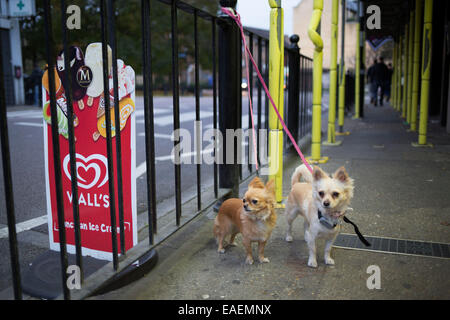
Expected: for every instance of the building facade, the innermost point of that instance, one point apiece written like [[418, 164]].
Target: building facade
[[301, 17], [11, 47]]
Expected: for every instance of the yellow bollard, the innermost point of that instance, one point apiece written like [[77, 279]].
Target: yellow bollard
[[314, 35], [341, 101], [400, 73], [357, 69], [416, 63], [410, 66], [405, 72], [276, 88], [426, 72], [393, 75], [333, 77]]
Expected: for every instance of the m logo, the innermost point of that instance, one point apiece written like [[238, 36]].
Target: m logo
[[84, 76], [94, 173]]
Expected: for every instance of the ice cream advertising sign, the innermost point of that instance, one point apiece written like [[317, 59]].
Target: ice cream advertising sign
[[91, 155]]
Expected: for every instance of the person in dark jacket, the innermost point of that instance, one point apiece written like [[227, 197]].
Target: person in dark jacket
[[380, 75], [387, 87], [36, 78], [372, 83]]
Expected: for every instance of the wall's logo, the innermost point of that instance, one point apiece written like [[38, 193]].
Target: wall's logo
[[91, 171]]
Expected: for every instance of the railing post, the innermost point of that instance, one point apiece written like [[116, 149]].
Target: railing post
[[276, 83], [426, 72], [229, 94], [294, 86]]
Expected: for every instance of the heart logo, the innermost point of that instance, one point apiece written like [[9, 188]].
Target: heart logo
[[96, 162]]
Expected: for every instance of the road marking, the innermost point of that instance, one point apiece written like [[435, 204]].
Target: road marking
[[25, 225], [142, 168], [141, 113], [184, 117], [157, 135], [29, 124], [25, 114]]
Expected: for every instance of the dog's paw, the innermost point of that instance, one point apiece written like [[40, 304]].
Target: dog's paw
[[329, 261], [264, 260], [289, 238], [221, 250], [232, 244], [249, 260], [312, 263]]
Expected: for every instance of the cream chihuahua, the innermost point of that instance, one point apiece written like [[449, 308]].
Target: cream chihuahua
[[321, 200]]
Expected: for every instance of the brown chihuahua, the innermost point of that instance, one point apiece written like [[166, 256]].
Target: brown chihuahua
[[254, 217]]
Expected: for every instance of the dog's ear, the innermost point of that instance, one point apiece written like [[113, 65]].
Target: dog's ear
[[341, 175], [270, 187], [318, 173], [256, 183]]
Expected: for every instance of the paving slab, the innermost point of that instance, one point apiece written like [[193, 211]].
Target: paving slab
[[401, 192]]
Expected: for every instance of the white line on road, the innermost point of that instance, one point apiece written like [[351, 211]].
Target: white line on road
[[141, 113], [157, 135], [25, 114], [30, 124], [142, 168], [24, 226], [184, 117]]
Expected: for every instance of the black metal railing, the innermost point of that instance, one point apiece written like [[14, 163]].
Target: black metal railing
[[228, 112]]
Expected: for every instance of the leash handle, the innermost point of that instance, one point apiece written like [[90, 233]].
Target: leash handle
[[236, 17]]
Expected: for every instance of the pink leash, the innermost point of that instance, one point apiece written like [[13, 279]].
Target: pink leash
[[236, 17]]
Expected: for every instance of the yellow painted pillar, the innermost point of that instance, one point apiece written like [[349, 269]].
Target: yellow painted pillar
[[395, 96], [405, 72], [410, 66], [357, 67], [393, 76], [333, 76], [426, 72], [416, 65], [400, 73], [314, 35], [341, 75], [276, 89]]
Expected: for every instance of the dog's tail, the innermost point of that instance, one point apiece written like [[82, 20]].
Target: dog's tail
[[301, 172]]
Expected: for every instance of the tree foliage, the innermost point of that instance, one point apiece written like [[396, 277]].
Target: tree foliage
[[128, 33]]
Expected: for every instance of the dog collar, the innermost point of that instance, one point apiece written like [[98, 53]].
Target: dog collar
[[324, 221]]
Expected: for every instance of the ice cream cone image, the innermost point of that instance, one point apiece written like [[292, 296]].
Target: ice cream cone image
[[126, 107], [59, 90]]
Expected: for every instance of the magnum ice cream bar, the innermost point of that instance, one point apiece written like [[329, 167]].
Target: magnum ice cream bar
[[94, 60], [78, 71]]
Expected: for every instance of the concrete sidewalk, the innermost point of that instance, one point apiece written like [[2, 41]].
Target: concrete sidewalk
[[401, 192]]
